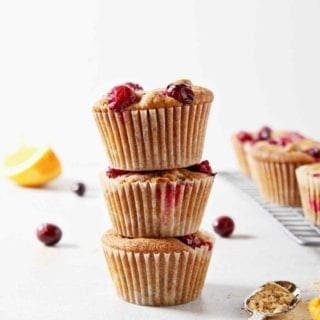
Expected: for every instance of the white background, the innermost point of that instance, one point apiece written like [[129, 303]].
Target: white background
[[261, 59]]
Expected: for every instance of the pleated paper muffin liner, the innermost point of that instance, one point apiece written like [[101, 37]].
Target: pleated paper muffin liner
[[241, 155], [153, 139], [158, 279], [250, 161], [157, 209], [277, 182], [310, 196]]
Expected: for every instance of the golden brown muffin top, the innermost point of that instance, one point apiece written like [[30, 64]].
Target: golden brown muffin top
[[302, 151], [266, 134], [163, 176], [154, 245], [158, 98]]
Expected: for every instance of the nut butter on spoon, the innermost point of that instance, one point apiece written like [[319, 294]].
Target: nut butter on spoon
[[272, 299]]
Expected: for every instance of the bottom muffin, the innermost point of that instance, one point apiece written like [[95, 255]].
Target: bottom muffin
[[309, 185], [158, 272]]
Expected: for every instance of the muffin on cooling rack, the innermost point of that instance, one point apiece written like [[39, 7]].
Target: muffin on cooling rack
[[158, 272], [243, 141], [274, 165], [309, 184]]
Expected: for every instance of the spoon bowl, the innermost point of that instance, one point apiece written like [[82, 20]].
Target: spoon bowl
[[256, 315]]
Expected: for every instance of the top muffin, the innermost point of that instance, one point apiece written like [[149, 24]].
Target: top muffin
[[153, 130]]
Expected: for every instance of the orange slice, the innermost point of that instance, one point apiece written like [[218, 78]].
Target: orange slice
[[32, 167], [314, 308]]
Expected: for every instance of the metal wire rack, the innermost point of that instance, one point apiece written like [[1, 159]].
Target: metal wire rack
[[291, 219]]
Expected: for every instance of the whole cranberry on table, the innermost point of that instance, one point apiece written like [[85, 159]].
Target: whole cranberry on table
[[224, 226], [49, 234], [79, 188]]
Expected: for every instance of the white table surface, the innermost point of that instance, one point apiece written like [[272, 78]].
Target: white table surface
[[70, 281]]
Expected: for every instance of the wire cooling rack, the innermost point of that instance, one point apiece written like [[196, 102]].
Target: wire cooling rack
[[291, 219]]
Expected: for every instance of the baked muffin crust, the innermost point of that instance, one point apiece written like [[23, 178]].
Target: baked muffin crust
[[155, 99], [292, 152], [159, 176], [147, 245]]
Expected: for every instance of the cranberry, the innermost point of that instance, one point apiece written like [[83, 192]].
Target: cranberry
[[49, 234], [134, 86], [121, 97], [283, 141], [172, 194], [280, 141], [193, 241], [203, 167], [264, 133], [180, 92], [223, 226], [314, 205], [273, 141], [114, 173], [314, 152], [78, 188], [244, 136], [171, 197]]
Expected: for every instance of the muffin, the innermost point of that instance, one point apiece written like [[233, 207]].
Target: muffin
[[165, 203], [158, 272], [153, 130], [274, 165], [243, 141], [309, 184]]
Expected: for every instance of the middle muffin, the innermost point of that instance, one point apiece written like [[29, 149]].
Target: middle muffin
[[167, 203]]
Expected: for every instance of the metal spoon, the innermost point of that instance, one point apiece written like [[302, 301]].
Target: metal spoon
[[255, 315]]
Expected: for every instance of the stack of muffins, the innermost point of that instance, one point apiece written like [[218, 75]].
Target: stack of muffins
[[284, 166], [156, 190]]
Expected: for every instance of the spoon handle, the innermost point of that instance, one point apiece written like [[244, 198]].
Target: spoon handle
[[257, 316]]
